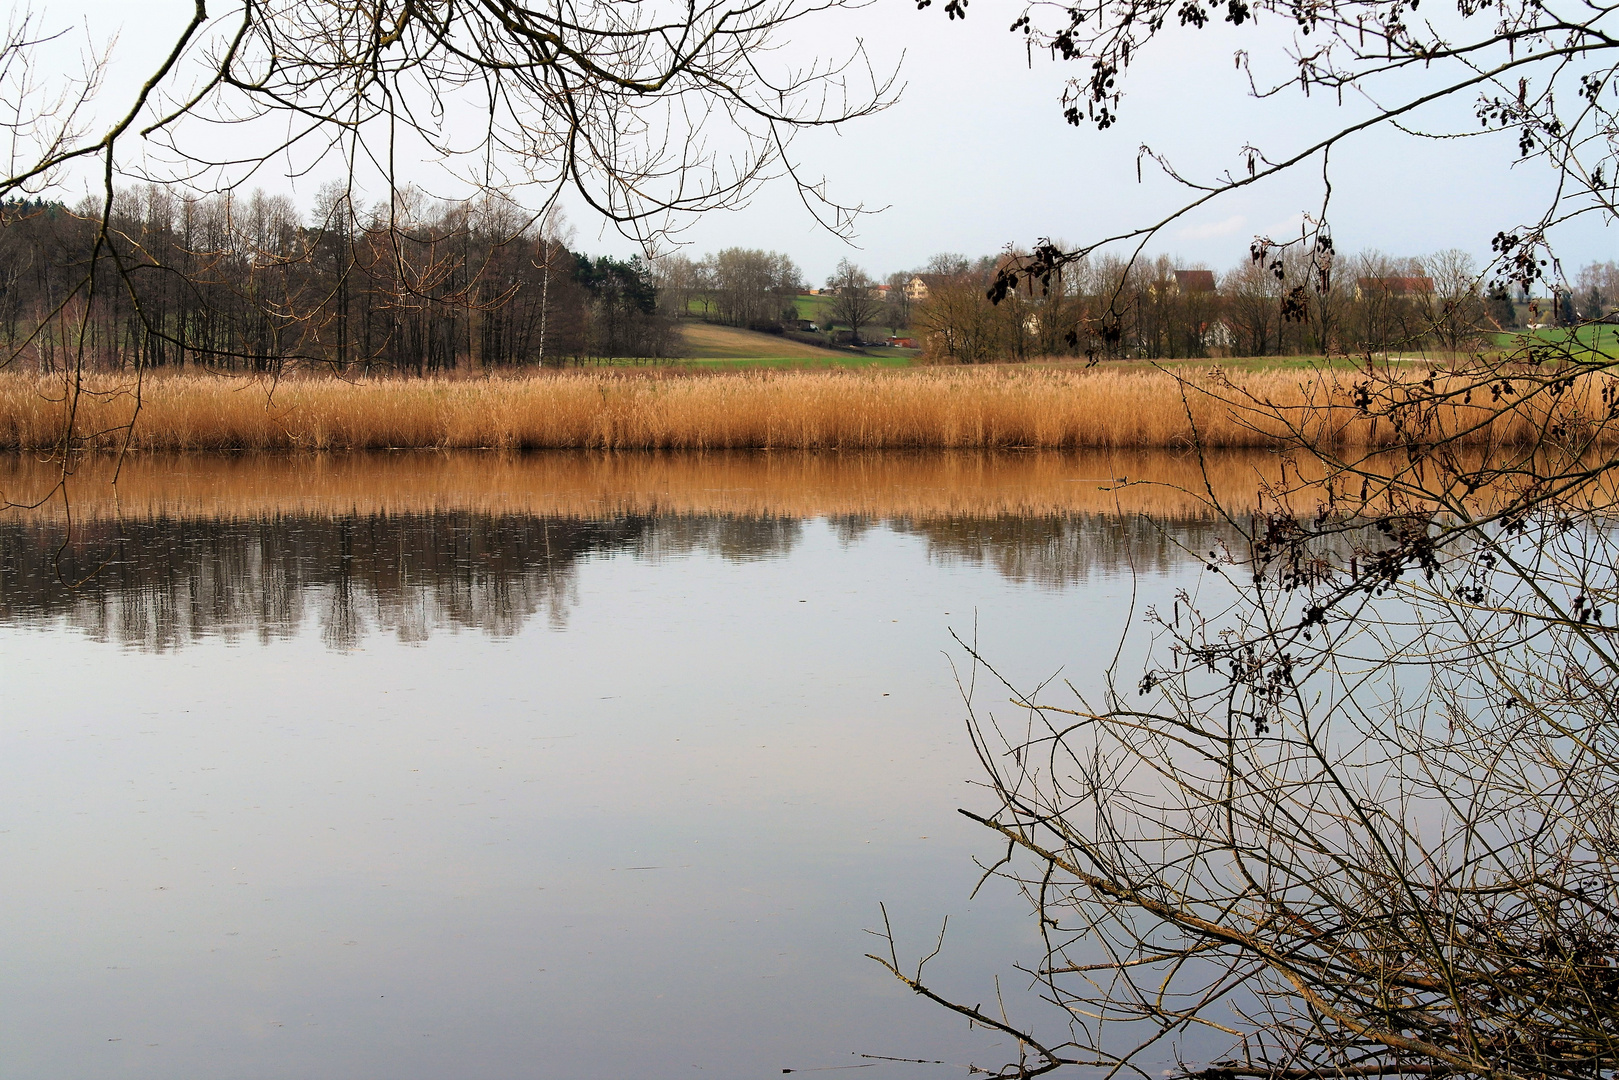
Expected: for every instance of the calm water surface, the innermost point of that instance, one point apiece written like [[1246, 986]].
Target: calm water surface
[[297, 784]]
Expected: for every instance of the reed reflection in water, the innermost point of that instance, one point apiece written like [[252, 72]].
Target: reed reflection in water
[[181, 548], [644, 846]]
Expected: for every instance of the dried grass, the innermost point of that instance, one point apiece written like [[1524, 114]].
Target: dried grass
[[989, 408]]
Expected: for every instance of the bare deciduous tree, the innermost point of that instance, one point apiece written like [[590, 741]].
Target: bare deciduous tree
[[855, 302], [1457, 315], [619, 104], [752, 288]]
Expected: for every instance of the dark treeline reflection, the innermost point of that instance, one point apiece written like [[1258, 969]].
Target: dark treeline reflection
[[158, 583], [1064, 550]]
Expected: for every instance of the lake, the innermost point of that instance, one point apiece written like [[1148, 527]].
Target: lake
[[478, 766]]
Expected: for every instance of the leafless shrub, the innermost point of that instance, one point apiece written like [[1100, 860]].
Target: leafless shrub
[[1355, 815]]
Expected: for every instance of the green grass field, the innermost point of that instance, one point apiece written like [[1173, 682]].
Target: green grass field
[[721, 348], [1603, 338], [1235, 363], [815, 308]]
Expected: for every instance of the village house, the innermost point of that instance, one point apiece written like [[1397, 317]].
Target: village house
[[1393, 286], [1193, 281], [921, 285], [1184, 283]]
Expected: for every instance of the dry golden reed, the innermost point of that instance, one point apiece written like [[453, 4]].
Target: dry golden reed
[[981, 408], [598, 485]]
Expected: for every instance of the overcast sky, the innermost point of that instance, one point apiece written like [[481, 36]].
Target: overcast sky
[[975, 154]]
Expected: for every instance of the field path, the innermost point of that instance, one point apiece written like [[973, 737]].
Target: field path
[[706, 341]]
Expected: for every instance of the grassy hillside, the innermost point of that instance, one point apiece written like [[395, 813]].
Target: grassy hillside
[[707, 341], [815, 308], [708, 345]]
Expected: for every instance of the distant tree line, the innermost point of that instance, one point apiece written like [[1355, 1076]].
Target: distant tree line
[[759, 290], [1156, 309], [247, 283], [755, 290]]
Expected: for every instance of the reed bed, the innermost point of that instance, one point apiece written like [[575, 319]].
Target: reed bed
[[600, 485], [986, 408]]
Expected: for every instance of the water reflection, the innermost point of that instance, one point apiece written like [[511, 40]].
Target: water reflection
[[1060, 551], [598, 486], [162, 582], [648, 846]]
